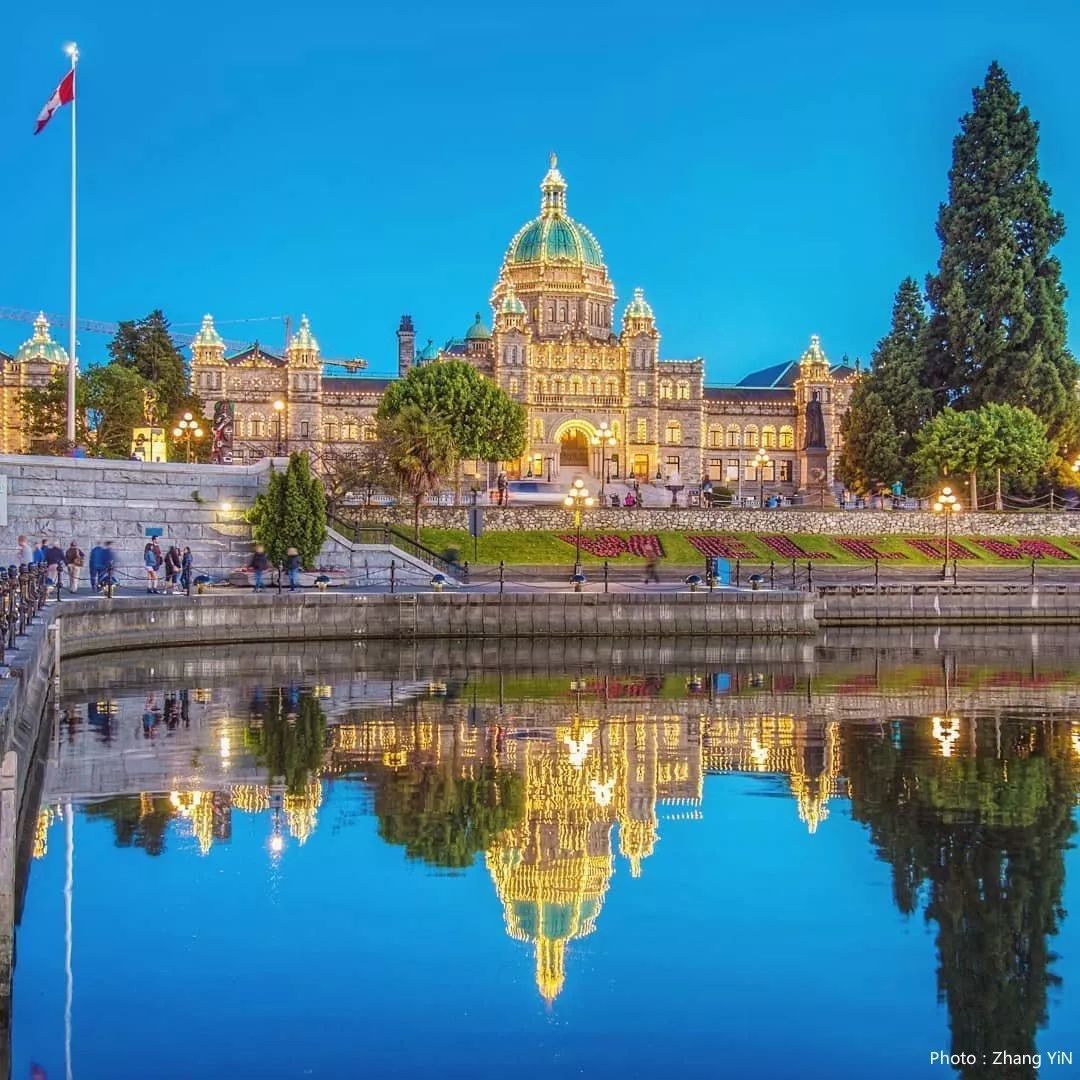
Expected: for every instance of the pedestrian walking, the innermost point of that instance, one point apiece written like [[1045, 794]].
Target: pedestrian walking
[[260, 563], [501, 485], [96, 564], [25, 553], [150, 564], [38, 557], [292, 566], [651, 571], [186, 563], [73, 560], [173, 561], [54, 563]]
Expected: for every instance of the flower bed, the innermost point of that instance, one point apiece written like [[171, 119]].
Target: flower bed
[[721, 547], [1023, 549], [788, 549], [643, 545], [935, 549], [866, 549]]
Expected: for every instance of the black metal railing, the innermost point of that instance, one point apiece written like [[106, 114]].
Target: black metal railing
[[366, 532]]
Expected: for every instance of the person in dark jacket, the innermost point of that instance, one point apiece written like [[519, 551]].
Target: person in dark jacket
[[73, 560], [97, 565], [54, 560], [39, 552], [186, 564], [259, 565], [292, 565], [172, 568]]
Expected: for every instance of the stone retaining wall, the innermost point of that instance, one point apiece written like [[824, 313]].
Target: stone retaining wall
[[825, 522]]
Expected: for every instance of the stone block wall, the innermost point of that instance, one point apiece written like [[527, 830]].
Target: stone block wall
[[824, 522]]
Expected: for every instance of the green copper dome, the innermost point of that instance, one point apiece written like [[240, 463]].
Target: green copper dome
[[478, 331], [428, 352], [304, 339], [639, 308], [207, 337], [554, 236], [41, 346], [512, 304]]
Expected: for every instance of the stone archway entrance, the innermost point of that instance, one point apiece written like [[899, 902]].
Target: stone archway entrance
[[574, 449]]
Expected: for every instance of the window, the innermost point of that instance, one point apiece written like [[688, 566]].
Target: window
[[594, 386], [768, 437], [255, 426], [671, 466], [575, 385], [557, 384], [615, 428], [305, 428], [665, 389], [642, 431], [716, 437], [732, 437], [673, 433], [750, 437], [731, 470], [611, 387], [371, 431], [642, 390], [787, 438], [716, 468], [330, 432], [785, 472], [538, 430], [350, 430], [682, 391], [512, 386]]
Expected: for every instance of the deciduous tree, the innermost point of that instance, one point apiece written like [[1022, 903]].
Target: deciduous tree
[[421, 452]]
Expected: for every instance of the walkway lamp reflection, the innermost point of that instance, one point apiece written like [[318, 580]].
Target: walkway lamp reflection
[[946, 504], [577, 499], [605, 440], [187, 428]]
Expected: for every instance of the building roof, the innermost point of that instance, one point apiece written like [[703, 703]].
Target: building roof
[[783, 374], [254, 354], [40, 345], [352, 384], [207, 337], [740, 393], [478, 331], [304, 339]]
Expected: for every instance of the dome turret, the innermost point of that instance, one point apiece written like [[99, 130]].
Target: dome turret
[[511, 304], [207, 337], [478, 331], [304, 340], [40, 345]]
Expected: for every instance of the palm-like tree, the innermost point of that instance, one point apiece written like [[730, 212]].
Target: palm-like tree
[[421, 453]]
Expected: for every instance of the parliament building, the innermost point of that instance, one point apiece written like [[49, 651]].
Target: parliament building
[[556, 344]]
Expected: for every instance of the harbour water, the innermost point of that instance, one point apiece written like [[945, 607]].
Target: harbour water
[[830, 858]]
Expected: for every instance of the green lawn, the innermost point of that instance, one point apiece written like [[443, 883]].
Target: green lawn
[[546, 548]]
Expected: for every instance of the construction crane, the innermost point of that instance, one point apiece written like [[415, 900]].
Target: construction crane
[[182, 339], [96, 326]]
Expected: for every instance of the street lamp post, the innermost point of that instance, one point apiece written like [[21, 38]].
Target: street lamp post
[[577, 498], [279, 408], [187, 428], [946, 504], [760, 461], [605, 439]]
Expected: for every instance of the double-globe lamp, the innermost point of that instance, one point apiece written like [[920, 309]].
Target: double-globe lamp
[[946, 504], [188, 429], [577, 499]]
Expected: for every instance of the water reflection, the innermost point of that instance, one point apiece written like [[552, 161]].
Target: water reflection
[[549, 784]]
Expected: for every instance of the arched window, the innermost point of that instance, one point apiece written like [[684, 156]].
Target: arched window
[[750, 436], [615, 428], [665, 389], [768, 437], [350, 429], [642, 431], [558, 385], [538, 430], [611, 387], [371, 430], [330, 431], [682, 391], [575, 384], [673, 433], [512, 385], [255, 425], [733, 436], [642, 389], [594, 385], [787, 437], [716, 436]]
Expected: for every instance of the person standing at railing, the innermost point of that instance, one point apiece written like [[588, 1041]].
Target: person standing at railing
[[73, 560], [186, 563], [260, 563], [107, 571], [54, 563], [292, 567], [172, 568], [150, 564]]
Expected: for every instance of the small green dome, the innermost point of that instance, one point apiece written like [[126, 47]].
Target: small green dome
[[428, 352], [40, 346], [639, 308], [478, 331], [207, 337], [303, 338], [511, 304]]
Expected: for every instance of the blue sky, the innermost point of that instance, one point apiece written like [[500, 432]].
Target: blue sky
[[764, 172]]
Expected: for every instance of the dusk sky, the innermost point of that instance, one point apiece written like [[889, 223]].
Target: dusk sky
[[764, 173]]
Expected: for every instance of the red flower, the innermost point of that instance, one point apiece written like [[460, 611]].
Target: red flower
[[721, 547], [865, 549], [785, 546]]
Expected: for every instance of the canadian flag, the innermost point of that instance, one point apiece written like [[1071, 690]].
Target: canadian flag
[[62, 95]]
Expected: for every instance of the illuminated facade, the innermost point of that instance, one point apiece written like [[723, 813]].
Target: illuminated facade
[[557, 345], [33, 365]]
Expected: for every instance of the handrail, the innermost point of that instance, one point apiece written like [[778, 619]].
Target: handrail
[[388, 534]]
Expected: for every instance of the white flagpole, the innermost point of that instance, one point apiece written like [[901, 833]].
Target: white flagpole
[[73, 52]]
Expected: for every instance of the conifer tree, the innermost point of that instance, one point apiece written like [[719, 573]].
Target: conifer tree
[[870, 457], [146, 346], [997, 331]]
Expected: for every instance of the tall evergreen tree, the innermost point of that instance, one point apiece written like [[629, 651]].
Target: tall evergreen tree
[[870, 457], [146, 346], [997, 329], [897, 371]]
